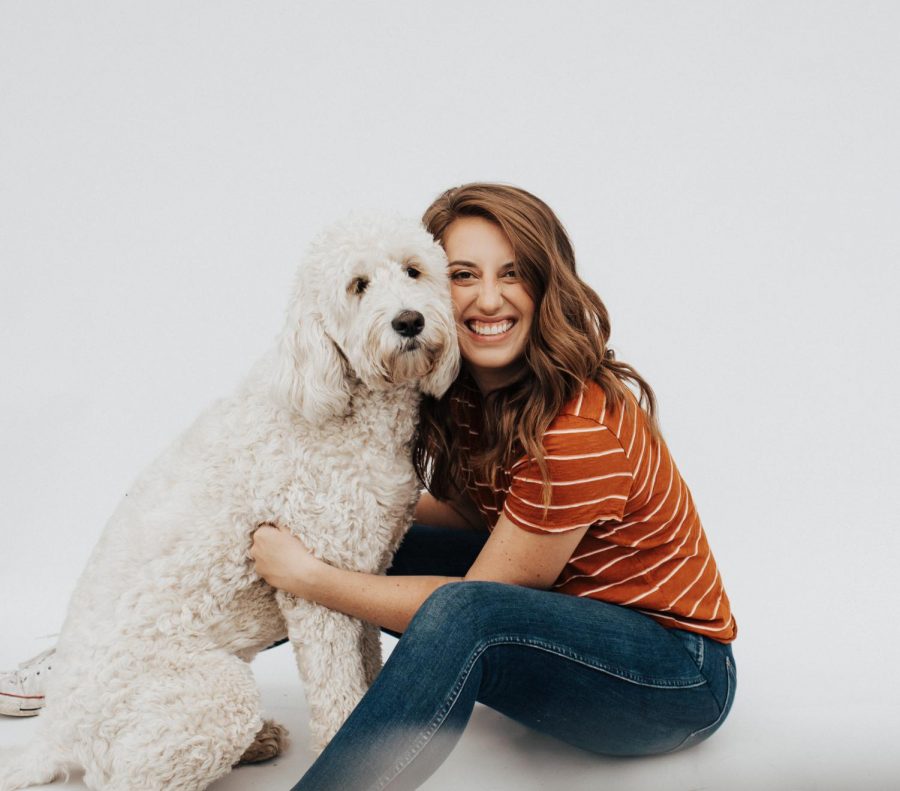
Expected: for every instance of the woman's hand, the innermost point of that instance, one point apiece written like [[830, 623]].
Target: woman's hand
[[282, 560]]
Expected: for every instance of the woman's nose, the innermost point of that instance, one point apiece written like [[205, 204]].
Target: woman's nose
[[490, 298]]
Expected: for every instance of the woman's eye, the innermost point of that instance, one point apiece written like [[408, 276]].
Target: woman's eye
[[413, 272], [510, 273], [462, 274], [358, 285]]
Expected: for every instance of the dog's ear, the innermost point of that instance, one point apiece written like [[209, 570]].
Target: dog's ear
[[310, 377], [445, 369]]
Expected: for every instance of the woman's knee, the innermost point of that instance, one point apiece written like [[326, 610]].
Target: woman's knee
[[456, 606]]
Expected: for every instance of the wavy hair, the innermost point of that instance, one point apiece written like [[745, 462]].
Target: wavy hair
[[567, 345]]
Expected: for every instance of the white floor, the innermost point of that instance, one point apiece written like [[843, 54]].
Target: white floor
[[796, 750]]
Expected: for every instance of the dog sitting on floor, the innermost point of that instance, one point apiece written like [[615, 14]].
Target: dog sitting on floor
[[151, 686]]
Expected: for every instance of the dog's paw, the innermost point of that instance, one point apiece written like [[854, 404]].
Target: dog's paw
[[269, 743]]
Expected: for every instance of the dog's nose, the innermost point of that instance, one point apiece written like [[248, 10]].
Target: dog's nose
[[408, 323]]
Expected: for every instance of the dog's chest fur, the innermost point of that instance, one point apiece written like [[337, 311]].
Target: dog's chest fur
[[348, 486], [175, 552]]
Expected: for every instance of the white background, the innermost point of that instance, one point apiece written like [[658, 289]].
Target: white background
[[730, 176]]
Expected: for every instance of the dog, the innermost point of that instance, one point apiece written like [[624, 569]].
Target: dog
[[151, 687]]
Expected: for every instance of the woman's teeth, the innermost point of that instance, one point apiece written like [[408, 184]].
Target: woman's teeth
[[492, 328]]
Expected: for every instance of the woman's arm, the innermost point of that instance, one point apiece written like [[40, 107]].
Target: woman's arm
[[390, 602], [284, 562], [510, 555]]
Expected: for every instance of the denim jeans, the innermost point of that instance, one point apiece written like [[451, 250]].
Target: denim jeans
[[595, 675]]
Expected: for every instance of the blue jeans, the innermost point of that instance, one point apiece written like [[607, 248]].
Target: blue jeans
[[595, 675]]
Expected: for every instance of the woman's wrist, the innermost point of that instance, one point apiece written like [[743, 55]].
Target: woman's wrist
[[312, 580]]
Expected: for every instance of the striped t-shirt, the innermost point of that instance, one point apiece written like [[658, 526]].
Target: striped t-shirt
[[645, 547]]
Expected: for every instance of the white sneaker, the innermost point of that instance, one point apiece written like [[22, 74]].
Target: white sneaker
[[22, 690]]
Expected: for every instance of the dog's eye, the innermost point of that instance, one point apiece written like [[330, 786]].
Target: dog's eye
[[358, 285], [413, 272]]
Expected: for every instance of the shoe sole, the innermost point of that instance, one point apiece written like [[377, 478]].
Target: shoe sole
[[20, 706]]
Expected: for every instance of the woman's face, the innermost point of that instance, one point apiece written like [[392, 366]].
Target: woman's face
[[492, 307]]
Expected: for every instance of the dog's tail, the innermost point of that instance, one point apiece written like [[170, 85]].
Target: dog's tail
[[33, 765]]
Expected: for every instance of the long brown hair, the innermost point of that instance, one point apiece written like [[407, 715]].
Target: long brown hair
[[567, 345]]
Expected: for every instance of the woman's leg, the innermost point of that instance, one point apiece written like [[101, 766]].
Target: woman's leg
[[441, 551], [596, 675]]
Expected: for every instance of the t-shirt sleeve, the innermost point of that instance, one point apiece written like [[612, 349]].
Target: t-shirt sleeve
[[589, 473]]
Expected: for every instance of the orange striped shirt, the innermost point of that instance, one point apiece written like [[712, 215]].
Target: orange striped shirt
[[645, 547]]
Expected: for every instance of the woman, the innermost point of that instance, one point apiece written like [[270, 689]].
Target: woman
[[564, 578]]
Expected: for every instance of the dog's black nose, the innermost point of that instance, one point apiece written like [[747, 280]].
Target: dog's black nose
[[409, 323]]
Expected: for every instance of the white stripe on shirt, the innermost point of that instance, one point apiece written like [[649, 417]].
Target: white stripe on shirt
[[571, 483], [513, 515], [573, 505], [576, 430]]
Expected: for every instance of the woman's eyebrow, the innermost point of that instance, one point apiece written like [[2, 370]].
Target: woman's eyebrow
[[472, 265]]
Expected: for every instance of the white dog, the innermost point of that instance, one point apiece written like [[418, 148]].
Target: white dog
[[151, 688]]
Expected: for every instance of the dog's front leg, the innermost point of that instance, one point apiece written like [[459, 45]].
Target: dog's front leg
[[328, 647]]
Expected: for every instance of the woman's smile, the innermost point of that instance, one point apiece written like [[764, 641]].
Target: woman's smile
[[490, 331]]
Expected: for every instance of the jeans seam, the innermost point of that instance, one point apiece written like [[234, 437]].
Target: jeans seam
[[729, 692], [425, 736], [631, 679]]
